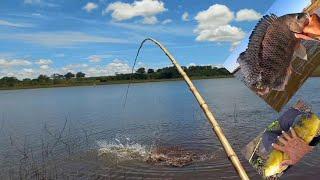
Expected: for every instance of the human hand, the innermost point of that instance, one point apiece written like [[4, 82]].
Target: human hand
[[292, 145], [312, 29]]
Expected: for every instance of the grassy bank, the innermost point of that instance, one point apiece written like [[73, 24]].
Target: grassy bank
[[73, 83]]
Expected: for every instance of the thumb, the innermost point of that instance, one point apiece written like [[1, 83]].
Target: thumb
[[303, 36]]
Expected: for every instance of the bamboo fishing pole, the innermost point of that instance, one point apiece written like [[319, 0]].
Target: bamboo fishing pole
[[215, 125]]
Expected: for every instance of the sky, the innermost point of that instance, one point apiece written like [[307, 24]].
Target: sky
[[101, 37], [279, 8]]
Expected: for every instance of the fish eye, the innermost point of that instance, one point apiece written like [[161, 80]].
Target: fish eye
[[299, 16]]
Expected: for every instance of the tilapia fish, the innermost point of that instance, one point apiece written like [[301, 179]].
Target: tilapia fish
[[266, 63]]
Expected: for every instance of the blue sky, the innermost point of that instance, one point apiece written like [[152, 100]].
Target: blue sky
[[101, 37], [279, 8]]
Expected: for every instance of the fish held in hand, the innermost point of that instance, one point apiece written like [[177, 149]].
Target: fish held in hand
[[266, 63]]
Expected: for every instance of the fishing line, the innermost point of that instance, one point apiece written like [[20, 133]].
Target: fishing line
[[232, 156], [132, 70]]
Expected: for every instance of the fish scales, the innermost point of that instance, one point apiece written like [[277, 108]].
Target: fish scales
[[267, 59], [278, 47]]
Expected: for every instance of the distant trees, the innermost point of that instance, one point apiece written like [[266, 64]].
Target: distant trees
[[57, 76], [43, 78], [69, 75], [80, 75], [9, 81], [141, 71], [140, 74], [150, 71]]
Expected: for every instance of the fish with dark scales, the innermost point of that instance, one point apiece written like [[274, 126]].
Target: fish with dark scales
[[267, 62]]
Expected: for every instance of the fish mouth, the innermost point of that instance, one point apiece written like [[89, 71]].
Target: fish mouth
[[262, 90], [308, 19]]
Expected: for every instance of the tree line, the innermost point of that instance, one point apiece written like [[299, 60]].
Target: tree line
[[79, 78]]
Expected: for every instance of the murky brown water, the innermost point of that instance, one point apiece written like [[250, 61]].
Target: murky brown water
[[85, 133]]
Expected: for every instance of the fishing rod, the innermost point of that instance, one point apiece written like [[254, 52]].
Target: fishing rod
[[205, 108]]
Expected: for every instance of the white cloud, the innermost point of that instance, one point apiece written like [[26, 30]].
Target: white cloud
[[150, 20], [166, 21], [217, 15], [147, 9], [234, 45], [28, 70], [11, 24], [248, 15], [226, 33], [32, 1], [118, 66], [26, 73], [44, 67], [185, 16], [44, 62], [115, 67], [14, 63], [95, 58], [213, 25], [98, 57], [61, 38], [74, 67], [192, 64], [20, 74], [90, 6], [40, 3]]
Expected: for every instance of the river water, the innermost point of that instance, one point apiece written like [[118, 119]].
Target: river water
[[88, 132]]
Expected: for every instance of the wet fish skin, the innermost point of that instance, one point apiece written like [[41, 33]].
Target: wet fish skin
[[296, 22], [265, 63]]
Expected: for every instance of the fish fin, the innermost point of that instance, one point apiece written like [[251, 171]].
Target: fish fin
[[249, 60], [280, 86], [281, 82], [244, 70], [248, 73], [258, 33], [241, 57], [300, 52]]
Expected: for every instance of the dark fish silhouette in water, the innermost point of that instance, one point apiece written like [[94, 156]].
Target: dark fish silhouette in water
[[266, 63], [173, 156]]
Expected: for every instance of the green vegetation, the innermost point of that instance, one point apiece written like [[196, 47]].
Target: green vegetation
[[141, 75]]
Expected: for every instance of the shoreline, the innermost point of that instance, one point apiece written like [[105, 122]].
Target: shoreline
[[108, 83], [114, 83]]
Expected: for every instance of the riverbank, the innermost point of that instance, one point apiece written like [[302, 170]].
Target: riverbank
[[97, 83]]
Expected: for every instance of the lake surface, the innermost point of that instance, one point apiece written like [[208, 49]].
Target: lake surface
[[88, 133]]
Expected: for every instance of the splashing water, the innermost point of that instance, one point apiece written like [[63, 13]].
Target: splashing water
[[127, 150], [123, 149]]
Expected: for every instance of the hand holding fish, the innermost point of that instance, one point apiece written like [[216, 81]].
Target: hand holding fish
[[312, 29], [292, 145]]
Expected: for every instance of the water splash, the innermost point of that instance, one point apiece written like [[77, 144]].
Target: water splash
[[122, 149]]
